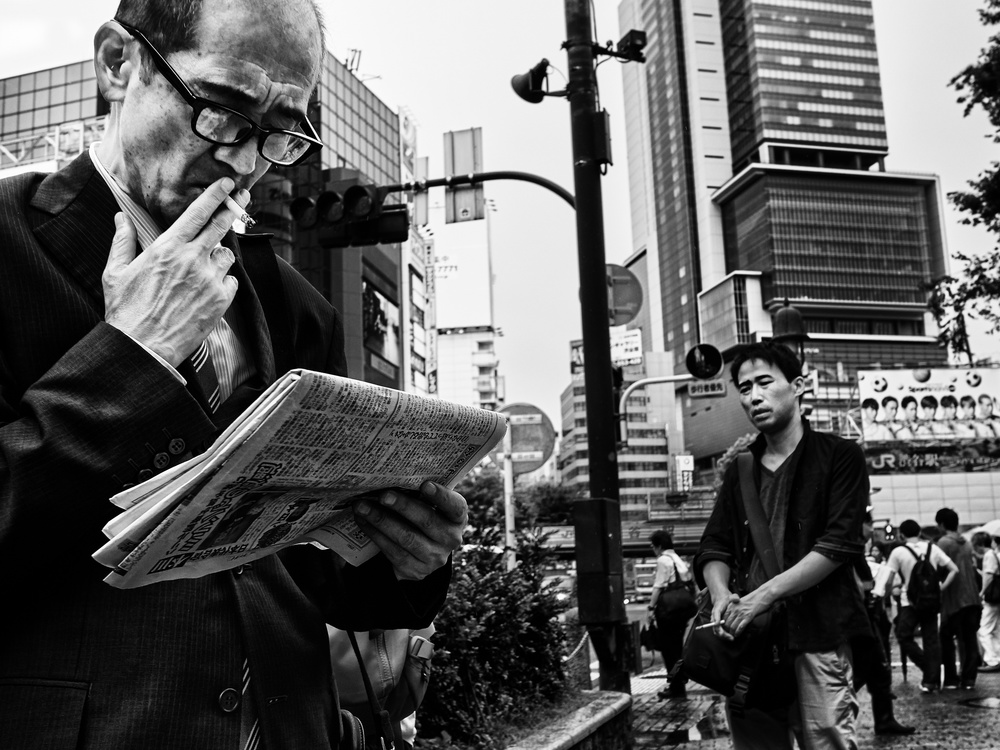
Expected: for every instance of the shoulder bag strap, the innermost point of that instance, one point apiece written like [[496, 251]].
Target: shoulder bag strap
[[386, 735], [759, 530], [379, 714], [764, 545], [916, 559]]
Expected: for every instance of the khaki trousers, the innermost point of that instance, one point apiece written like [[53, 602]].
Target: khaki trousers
[[823, 716]]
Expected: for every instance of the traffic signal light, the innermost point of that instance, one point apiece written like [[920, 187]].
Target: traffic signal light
[[617, 383], [704, 361], [350, 212]]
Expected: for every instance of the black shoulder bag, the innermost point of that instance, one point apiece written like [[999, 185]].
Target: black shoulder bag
[[754, 670]]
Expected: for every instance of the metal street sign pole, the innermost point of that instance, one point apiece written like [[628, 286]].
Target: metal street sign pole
[[597, 520], [508, 498], [623, 401]]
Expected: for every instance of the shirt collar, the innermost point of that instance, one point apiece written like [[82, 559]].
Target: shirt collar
[[146, 228]]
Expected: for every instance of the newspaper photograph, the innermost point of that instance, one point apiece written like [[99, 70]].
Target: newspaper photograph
[[294, 478]]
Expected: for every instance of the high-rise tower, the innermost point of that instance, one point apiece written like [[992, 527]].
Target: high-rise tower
[[767, 143]]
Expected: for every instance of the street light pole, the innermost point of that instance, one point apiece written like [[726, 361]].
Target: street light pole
[[597, 520]]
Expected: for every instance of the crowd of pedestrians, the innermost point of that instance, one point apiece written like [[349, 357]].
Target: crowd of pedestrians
[[962, 638]]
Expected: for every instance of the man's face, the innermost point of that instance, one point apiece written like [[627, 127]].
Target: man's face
[[986, 406], [891, 407], [910, 410], [769, 400], [262, 66]]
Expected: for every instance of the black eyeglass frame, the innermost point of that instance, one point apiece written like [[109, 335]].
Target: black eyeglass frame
[[200, 103]]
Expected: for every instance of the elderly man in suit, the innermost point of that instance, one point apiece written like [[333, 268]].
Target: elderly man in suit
[[116, 270]]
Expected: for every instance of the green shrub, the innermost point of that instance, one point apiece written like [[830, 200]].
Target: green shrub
[[499, 645]]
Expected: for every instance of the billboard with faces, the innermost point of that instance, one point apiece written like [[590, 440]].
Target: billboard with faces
[[930, 419]]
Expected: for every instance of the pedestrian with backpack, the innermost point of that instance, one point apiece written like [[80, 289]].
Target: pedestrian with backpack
[[919, 564]]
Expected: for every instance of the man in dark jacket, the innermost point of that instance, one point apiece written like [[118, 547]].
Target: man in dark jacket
[[814, 489], [116, 270], [960, 607]]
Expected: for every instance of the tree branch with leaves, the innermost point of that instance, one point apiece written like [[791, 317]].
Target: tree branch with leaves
[[975, 294]]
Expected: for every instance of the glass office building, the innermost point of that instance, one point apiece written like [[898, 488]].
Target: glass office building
[[802, 76], [835, 238], [784, 97]]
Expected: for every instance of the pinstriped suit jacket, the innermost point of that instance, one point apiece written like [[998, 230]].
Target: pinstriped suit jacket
[[84, 410]]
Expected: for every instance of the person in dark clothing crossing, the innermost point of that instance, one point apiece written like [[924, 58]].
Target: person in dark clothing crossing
[[878, 672], [814, 489], [960, 607]]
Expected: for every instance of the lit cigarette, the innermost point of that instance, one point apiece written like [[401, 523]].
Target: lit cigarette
[[240, 213], [708, 625]]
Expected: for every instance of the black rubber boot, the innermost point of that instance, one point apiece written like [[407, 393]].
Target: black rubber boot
[[885, 721]]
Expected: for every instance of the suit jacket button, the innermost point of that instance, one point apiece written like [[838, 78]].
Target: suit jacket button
[[145, 474], [161, 460], [229, 700], [176, 446]]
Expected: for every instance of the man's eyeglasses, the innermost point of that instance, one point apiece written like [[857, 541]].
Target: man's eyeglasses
[[224, 126]]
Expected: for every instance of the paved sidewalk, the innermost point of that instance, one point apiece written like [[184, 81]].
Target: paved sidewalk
[[963, 719]]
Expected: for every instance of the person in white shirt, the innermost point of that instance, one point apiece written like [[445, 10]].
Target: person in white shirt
[[671, 570], [989, 621], [901, 562]]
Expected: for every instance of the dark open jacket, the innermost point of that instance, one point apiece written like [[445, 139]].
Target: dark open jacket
[[825, 512], [84, 411]]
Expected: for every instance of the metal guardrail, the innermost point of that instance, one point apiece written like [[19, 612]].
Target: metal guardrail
[[59, 144]]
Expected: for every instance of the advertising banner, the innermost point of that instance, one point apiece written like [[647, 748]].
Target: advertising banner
[[930, 419]]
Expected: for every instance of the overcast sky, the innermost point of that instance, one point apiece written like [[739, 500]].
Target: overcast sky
[[450, 62]]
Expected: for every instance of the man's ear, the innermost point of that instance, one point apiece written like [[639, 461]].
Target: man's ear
[[115, 59], [799, 384]]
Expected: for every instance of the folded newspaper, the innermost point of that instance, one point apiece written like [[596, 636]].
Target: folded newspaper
[[289, 471]]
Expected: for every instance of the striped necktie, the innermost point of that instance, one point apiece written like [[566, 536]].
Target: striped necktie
[[249, 726], [208, 380]]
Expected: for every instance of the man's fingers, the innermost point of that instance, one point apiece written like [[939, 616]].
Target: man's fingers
[[402, 557], [223, 257], [423, 513], [232, 286], [448, 503], [203, 220]]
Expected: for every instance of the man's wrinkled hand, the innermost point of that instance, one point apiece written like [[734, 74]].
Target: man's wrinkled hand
[[170, 297], [720, 607], [416, 532], [742, 612]]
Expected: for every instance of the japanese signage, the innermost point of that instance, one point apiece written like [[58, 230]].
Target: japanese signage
[[707, 388], [684, 464], [626, 348], [930, 420]]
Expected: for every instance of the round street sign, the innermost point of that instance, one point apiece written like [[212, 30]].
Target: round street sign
[[624, 295], [532, 438]]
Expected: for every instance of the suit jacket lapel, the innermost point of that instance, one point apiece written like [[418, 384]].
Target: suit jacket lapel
[[79, 234], [250, 307], [81, 228], [259, 347]]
